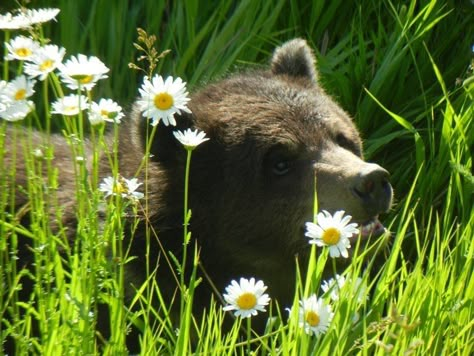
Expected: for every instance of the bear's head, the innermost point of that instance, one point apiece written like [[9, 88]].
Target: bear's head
[[274, 137]]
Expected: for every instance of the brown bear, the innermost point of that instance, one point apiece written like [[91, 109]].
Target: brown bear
[[272, 134]]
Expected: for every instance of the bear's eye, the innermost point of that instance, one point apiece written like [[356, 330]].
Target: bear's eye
[[348, 144], [279, 161], [342, 140], [281, 168]]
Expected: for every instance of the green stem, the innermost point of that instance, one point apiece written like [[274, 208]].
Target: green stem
[[147, 150], [186, 293], [315, 200], [333, 260], [18, 230], [186, 192], [47, 113], [249, 328], [5, 63], [185, 218]]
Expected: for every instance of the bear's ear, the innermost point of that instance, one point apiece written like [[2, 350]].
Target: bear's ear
[[294, 58]]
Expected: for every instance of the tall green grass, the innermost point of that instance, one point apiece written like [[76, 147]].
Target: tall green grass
[[403, 69]]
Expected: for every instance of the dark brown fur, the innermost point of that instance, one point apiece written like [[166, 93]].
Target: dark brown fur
[[271, 132]]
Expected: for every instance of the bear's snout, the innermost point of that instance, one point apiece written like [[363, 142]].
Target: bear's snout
[[346, 182], [373, 188]]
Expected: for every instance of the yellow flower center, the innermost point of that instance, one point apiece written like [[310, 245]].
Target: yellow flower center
[[119, 188], [163, 101], [83, 78], [331, 236], [23, 52], [70, 110], [247, 301], [312, 318], [87, 79], [20, 94], [47, 64]]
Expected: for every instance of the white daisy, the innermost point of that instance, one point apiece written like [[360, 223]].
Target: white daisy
[[14, 97], [246, 298], [314, 315], [82, 71], [36, 16], [126, 188], [26, 18], [17, 110], [333, 231], [190, 139], [3, 85], [105, 110], [21, 48], [334, 286], [19, 89], [44, 61], [69, 105], [160, 100], [10, 22]]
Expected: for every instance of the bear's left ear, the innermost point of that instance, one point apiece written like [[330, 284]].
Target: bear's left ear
[[296, 59]]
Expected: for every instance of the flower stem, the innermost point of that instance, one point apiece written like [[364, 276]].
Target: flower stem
[[186, 293], [334, 269], [186, 215], [315, 200], [149, 141], [5, 64], [249, 328]]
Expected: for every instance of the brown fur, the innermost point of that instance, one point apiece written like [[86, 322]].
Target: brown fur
[[252, 183]]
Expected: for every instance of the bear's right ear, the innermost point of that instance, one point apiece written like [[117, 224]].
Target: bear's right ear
[[296, 59]]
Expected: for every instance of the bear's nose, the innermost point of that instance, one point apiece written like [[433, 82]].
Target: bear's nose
[[372, 187]]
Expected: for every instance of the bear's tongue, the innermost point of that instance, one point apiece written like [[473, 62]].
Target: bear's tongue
[[372, 227]]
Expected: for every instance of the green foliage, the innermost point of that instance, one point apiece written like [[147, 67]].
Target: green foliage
[[403, 69]]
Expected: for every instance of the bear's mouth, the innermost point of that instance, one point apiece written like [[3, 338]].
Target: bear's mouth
[[372, 227]]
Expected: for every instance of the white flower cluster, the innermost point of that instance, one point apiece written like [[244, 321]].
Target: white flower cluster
[[313, 314], [39, 62], [160, 99]]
